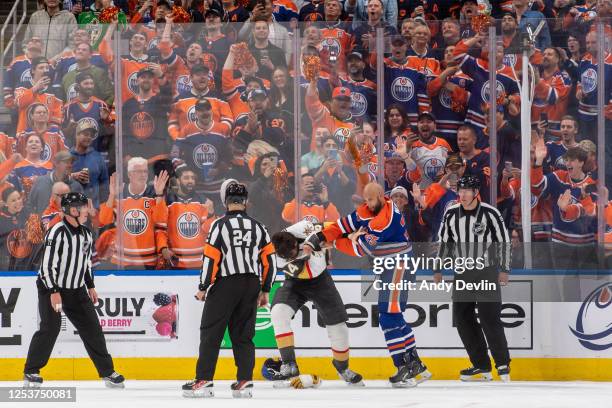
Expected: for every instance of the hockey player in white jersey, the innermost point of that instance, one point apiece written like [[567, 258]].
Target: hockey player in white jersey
[[306, 279]]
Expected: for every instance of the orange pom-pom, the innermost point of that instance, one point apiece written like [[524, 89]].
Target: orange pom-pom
[[481, 22], [34, 231], [281, 183], [312, 67], [108, 15], [180, 15], [243, 57]]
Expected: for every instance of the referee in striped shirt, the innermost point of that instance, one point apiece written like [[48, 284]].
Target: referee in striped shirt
[[66, 283], [474, 234], [237, 274]]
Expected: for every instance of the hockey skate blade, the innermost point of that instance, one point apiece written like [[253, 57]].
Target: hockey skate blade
[[409, 383], [31, 384], [245, 393], [110, 384], [505, 378], [356, 385], [482, 377], [202, 393], [422, 377]]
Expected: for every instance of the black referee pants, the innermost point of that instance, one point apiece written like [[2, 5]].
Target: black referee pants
[[79, 309], [472, 332], [230, 303]]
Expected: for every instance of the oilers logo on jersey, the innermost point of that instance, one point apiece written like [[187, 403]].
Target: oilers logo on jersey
[[142, 125], [359, 104], [432, 167], [402, 89], [183, 84], [332, 46], [132, 83], [46, 153], [445, 98], [26, 76], [135, 222], [588, 80], [341, 135], [486, 92], [205, 155], [188, 225]]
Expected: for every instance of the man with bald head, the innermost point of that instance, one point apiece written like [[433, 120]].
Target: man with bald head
[[51, 215], [377, 229]]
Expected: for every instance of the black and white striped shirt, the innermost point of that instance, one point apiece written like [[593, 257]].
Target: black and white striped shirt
[[480, 232], [238, 244], [66, 262]]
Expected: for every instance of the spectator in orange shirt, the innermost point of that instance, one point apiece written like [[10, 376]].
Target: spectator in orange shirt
[[315, 206]]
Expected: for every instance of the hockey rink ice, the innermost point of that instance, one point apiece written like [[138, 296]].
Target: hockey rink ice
[[431, 394]]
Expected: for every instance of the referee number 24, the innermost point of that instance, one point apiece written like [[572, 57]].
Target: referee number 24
[[241, 237]]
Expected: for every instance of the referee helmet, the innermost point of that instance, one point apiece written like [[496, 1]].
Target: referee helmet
[[224, 187], [236, 193], [468, 182], [73, 200]]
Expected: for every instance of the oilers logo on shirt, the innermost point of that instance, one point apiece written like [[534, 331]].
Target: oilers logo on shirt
[[142, 125], [205, 156], [402, 89], [26, 76], [332, 46], [46, 153], [188, 225], [588, 80], [432, 167], [132, 83], [135, 222], [71, 93], [486, 92], [311, 218], [341, 135], [191, 115], [445, 98], [183, 84], [359, 104]]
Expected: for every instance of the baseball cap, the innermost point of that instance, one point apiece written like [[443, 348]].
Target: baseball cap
[[87, 124], [143, 71], [399, 190], [355, 54], [212, 13], [257, 92], [428, 114], [341, 92], [509, 13], [63, 155], [393, 155], [454, 159]]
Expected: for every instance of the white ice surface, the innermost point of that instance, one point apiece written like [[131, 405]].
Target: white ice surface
[[332, 394]]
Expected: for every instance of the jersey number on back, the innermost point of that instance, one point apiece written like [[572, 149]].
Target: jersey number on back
[[240, 237]]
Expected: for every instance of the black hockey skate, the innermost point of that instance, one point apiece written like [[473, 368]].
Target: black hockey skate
[[115, 380], [402, 378], [504, 373], [32, 380], [198, 389], [351, 378], [242, 389], [418, 370], [475, 374]]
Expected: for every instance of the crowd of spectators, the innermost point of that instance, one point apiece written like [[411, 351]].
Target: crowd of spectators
[[174, 108]]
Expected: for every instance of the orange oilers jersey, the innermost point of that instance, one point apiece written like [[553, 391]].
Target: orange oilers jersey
[[309, 211], [182, 113], [541, 209], [430, 158], [336, 42], [137, 245], [232, 88], [53, 138], [322, 118], [552, 97], [193, 128], [129, 70], [24, 98], [430, 67], [182, 223], [608, 232]]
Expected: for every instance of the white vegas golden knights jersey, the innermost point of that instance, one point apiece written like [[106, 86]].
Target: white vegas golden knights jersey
[[304, 267]]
